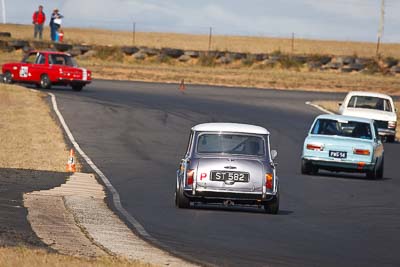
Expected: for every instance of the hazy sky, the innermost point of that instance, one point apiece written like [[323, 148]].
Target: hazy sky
[[321, 19]]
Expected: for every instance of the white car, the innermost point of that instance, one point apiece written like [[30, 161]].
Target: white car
[[379, 107]]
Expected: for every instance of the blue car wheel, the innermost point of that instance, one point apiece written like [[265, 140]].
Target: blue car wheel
[[377, 171], [308, 168]]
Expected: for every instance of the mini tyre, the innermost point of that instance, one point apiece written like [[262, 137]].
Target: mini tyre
[[181, 201], [272, 207]]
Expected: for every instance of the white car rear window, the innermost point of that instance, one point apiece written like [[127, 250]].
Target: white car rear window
[[370, 102]]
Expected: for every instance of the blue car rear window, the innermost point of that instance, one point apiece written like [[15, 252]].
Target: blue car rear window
[[352, 129]]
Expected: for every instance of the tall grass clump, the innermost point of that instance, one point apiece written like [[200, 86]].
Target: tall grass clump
[[110, 53], [206, 60]]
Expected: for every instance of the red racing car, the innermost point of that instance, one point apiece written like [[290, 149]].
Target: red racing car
[[47, 68]]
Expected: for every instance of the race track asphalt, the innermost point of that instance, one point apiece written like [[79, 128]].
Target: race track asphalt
[[136, 133]]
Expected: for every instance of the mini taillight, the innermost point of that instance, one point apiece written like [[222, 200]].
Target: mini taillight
[[189, 176], [392, 124], [365, 152], [268, 180], [317, 147]]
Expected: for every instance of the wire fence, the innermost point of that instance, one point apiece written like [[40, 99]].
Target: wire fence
[[361, 16], [335, 32], [217, 38], [137, 26], [344, 20]]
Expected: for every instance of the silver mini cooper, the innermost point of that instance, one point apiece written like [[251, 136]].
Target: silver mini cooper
[[228, 163]]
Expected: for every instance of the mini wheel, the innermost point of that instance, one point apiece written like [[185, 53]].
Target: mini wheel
[[272, 207], [181, 201]]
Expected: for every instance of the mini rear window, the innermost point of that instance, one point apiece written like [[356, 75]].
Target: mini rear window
[[352, 129], [231, 144]]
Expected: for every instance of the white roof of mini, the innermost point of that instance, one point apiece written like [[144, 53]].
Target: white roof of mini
[[343, 117], [362, 93], [230, 127]]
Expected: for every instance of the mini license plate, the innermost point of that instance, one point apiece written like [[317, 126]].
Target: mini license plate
[[338, 154], [230, 176]]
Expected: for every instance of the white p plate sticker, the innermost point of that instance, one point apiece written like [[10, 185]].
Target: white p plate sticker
[[23, 72]]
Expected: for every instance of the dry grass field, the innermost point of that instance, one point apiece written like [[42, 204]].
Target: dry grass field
[[244, 77], [235, 74], [29, 138], [219, 42], [25, 257]]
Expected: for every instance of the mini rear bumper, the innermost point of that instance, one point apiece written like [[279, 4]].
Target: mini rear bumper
[[216, 196], [340, 165]]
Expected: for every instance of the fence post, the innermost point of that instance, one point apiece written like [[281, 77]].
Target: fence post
[[134, 33], [209, 40], [3, 8], [381, 25], [292, 43]]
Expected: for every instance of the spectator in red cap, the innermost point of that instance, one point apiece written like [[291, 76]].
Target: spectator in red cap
[[38, 20]]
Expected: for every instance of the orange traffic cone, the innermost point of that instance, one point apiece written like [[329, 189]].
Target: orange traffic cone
[[71, 161], [182, 86]]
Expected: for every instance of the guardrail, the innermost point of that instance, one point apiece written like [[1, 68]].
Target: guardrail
[[314, 62]]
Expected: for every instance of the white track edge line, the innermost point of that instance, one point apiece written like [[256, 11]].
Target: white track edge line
[[319, 107], [116, 198]]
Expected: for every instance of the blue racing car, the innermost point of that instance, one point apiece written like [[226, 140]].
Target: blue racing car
[[343, 143]]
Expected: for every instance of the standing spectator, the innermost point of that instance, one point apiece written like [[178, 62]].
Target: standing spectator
[[55, 24], [38, 20], [52, 26]]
